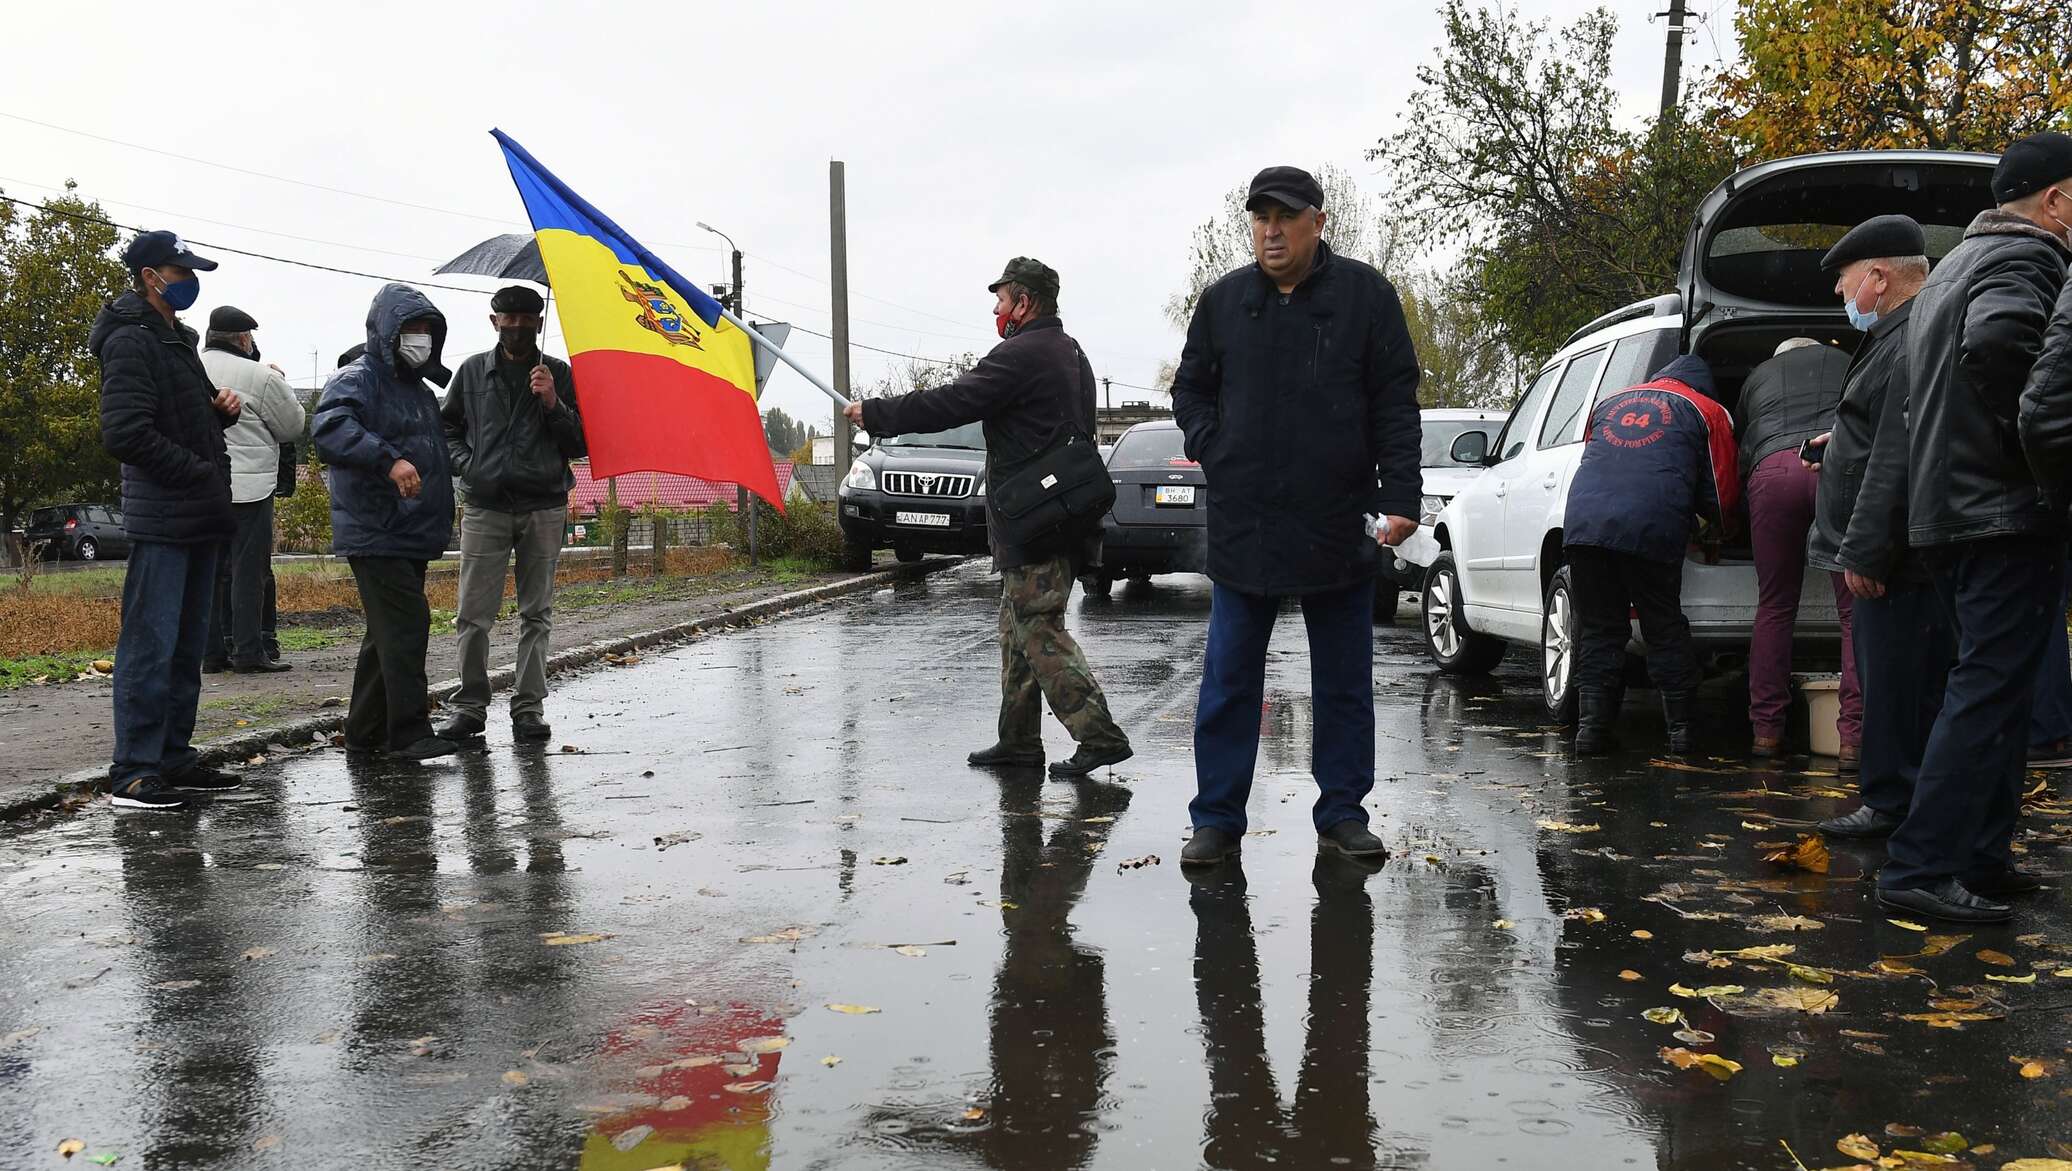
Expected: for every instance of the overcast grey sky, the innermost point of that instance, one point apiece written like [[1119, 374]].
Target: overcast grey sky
[[1092, 135]]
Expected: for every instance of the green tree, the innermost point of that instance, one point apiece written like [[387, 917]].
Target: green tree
[[1511, 153], [1354, 226], [58, 267], [1857, 74], [1462, 362], [783, 432]]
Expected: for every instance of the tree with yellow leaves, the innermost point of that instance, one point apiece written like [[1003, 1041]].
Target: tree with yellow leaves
[[1864, 74]]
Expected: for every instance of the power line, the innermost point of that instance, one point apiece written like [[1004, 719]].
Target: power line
[[372, 276]]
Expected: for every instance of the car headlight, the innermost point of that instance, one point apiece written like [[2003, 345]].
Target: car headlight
[[861, 478], [1429, 508]]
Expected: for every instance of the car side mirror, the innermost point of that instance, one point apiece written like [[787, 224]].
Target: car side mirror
[[859, 442], [1471, 448]]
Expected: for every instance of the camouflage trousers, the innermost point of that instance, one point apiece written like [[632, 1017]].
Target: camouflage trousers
[[1040, 661]]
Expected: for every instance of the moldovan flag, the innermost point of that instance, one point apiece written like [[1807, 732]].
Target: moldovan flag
[[667, 384]]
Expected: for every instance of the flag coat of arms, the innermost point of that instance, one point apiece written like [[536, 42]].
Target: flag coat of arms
[[668, 384]]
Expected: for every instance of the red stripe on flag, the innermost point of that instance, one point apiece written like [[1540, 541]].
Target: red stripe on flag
[[647, 413]]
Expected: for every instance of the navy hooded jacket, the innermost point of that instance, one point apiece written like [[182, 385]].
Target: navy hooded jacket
[[1659, 456], [373, 413]]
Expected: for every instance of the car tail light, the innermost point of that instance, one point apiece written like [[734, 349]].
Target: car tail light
[[71, 524]]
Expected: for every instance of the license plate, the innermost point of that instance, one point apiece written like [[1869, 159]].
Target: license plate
[[939, 520], [1174, 494]]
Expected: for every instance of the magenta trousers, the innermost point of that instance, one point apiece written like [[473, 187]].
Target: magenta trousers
[[1780, 513]]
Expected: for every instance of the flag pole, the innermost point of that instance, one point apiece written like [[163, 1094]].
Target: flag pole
[[777, 352]]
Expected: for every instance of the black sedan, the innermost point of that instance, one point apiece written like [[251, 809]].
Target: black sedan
[[1160, 520]]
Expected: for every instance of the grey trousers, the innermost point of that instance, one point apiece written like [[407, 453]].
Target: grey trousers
[[488, 541]]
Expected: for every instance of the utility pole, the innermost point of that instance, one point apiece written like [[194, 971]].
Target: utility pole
[[1672, 56], [838, 278], [1107, 392], [734, 303]]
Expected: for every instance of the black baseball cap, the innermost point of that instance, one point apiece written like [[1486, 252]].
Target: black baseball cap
[[2028, 165], [1291, 187], [154, 249]]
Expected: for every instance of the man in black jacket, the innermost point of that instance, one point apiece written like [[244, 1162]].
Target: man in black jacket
[[1034, 388], [1995, 547], [1297, 392], [1902, 637], [511, 425], [164, 419], [1787, 400]]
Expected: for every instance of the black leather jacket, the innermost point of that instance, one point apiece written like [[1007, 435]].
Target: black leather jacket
[[1977, 330], [510, 454], [1860, 514], [1788, 400], [2046, 413]]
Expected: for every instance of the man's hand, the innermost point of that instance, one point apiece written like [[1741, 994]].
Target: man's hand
[[1819, 440], [543, 386], [404, 475], [1861, 586], [855, 413], [227, 403], [1394, 530]]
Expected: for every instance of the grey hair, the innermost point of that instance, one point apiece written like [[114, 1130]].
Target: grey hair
[[1913, 266], [1794, 343], [225, 337]]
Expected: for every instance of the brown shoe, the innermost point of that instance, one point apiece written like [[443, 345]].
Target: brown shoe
[[1765, 747], [1847, 763]]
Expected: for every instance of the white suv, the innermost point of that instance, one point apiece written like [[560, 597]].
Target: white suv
[[1750, 277]]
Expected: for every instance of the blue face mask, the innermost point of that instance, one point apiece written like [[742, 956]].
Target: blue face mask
[[181, 294], [1859, 319]]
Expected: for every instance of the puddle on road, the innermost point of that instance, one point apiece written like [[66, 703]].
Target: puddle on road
[[851, 950]]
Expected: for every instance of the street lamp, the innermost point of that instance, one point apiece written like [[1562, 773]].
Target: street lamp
[[741, 501]]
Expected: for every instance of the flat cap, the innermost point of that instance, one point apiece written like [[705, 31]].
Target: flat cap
[[1030, 273], [154, 249], [1876, 238], [230, 319], [517, 299], [1291, 187], [2030, 164]]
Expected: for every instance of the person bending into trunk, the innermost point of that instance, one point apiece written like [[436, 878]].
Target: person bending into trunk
[[1658, 469]]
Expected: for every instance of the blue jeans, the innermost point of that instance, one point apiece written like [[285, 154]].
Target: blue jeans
[[2001, 596], [167, 593], [1233, 691]]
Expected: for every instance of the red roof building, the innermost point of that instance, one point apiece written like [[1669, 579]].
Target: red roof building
[[666, 490]]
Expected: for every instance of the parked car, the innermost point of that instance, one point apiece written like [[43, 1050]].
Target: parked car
[[1749, 278], [1159, 523], [79, 532], [916, 494], [1444, 477]]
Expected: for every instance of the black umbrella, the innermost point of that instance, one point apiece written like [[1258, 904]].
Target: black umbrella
[[512, 256]]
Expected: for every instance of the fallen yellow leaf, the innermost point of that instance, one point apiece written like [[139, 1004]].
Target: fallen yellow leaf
[[1997, 978], [1784, 1058], [1712, 990], [1809, 854], [1643, 935], [70, 1147], [1502, 924], [1998, 959], [913, 951], [973, 1114], [1936, 945], [1906, 925], [513, 1077], [1586, 914], [1712, 1063], [2038, 1165], [563, 939], [853, 1009], [1630, 975], [1680, 990], [764, 1044], [1857, 1146], [830, 1061], [1563, 827]]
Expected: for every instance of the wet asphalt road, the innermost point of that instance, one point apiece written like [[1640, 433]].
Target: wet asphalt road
[[654, 951]]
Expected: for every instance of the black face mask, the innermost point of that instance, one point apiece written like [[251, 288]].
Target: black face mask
[[518, 340], [254, 355]]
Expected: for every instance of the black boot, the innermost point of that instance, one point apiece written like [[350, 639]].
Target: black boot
[[1676, 714], [1595, 711]]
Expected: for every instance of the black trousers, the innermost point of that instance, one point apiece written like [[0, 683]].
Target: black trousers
[[1608, 588], [390, 707], [2001, 596], [1903, 655], [241, 624]]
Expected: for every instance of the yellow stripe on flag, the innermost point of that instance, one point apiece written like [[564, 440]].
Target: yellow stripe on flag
[[606, 305]]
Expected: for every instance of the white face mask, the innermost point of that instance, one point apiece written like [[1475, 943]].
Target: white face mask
[[416, 348]]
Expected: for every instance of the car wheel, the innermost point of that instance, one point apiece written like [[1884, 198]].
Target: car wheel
[[88, 549], [1099, 585], [856, 556], [906, 556], [1386, 598], [1453, 647], [1558, 649]]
